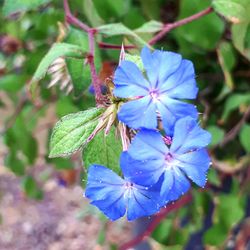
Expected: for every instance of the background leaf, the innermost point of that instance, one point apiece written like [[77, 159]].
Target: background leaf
[[245, 137], [205, 33], [14, 6], [234, 10]]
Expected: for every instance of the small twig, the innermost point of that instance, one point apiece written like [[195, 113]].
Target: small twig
[[236, 129], [168, 27], [157, 219], [90, 59], [73, 20], [23, 100], [114, 46], [231, 169]]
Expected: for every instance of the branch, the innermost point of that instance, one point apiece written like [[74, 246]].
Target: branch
[[169, 27], [114, 46], [157, 219], [231, 169], [73, 20], [236, 129], [90, 59]]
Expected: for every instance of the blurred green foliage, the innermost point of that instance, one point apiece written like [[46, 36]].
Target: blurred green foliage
[[219, 46]]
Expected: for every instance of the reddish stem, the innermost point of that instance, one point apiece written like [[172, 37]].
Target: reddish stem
[[73, 20], [91, 33], [114, 46], [157, 219], [170, 26]]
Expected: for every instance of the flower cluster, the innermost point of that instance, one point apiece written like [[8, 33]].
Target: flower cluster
[[168, 150]]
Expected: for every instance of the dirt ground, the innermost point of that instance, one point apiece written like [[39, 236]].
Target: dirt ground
[[63, 220]]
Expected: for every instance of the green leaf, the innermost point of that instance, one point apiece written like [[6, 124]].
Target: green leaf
[[14, 6], [234, 11], [196, 32], [115, 29], [224, 208], [109, 9], [245, 137], [241, 30], [12, 83], [227, 61], [61, 163], [227, 52], [57, 50], [215, 235], [72, 131], [241, 38], [31, 188], [104, 150], [233, 102], [20, 138], [217, 134], [228, 212], [150, 27], [162, 231], [151, 8], [91, 13], [65, 106], [78, 70], [15, 164], [213, 177]]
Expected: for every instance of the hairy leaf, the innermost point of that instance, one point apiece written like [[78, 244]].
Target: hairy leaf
[[104, 150], [72, 131]]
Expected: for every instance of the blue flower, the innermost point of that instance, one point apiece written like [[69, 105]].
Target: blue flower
[[169, 78], [115, 196], [151, 160]]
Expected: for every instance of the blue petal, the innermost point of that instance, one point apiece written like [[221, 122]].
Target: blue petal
[[159, 65], [180, 186], [181, 84], [139, 113], [195, 165], [101, 182], [106, 190], [188, 136], [145, 173], [113, 209], [171, 110], [168, 181], [129, 81], [143, 202], [148, 144]]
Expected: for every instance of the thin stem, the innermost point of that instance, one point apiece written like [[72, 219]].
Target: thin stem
[[157, 219], [91, 33], [169, 27], [95, 79], [73, 20], [114, 46]]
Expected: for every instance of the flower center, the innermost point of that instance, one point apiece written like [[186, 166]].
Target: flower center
[[168, 157], [128, 185], [154, 95], [128, 189], [170, 161]]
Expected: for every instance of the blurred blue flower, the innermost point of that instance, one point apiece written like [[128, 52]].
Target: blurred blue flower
[[169, 78], [151, 160], [115, 196]]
